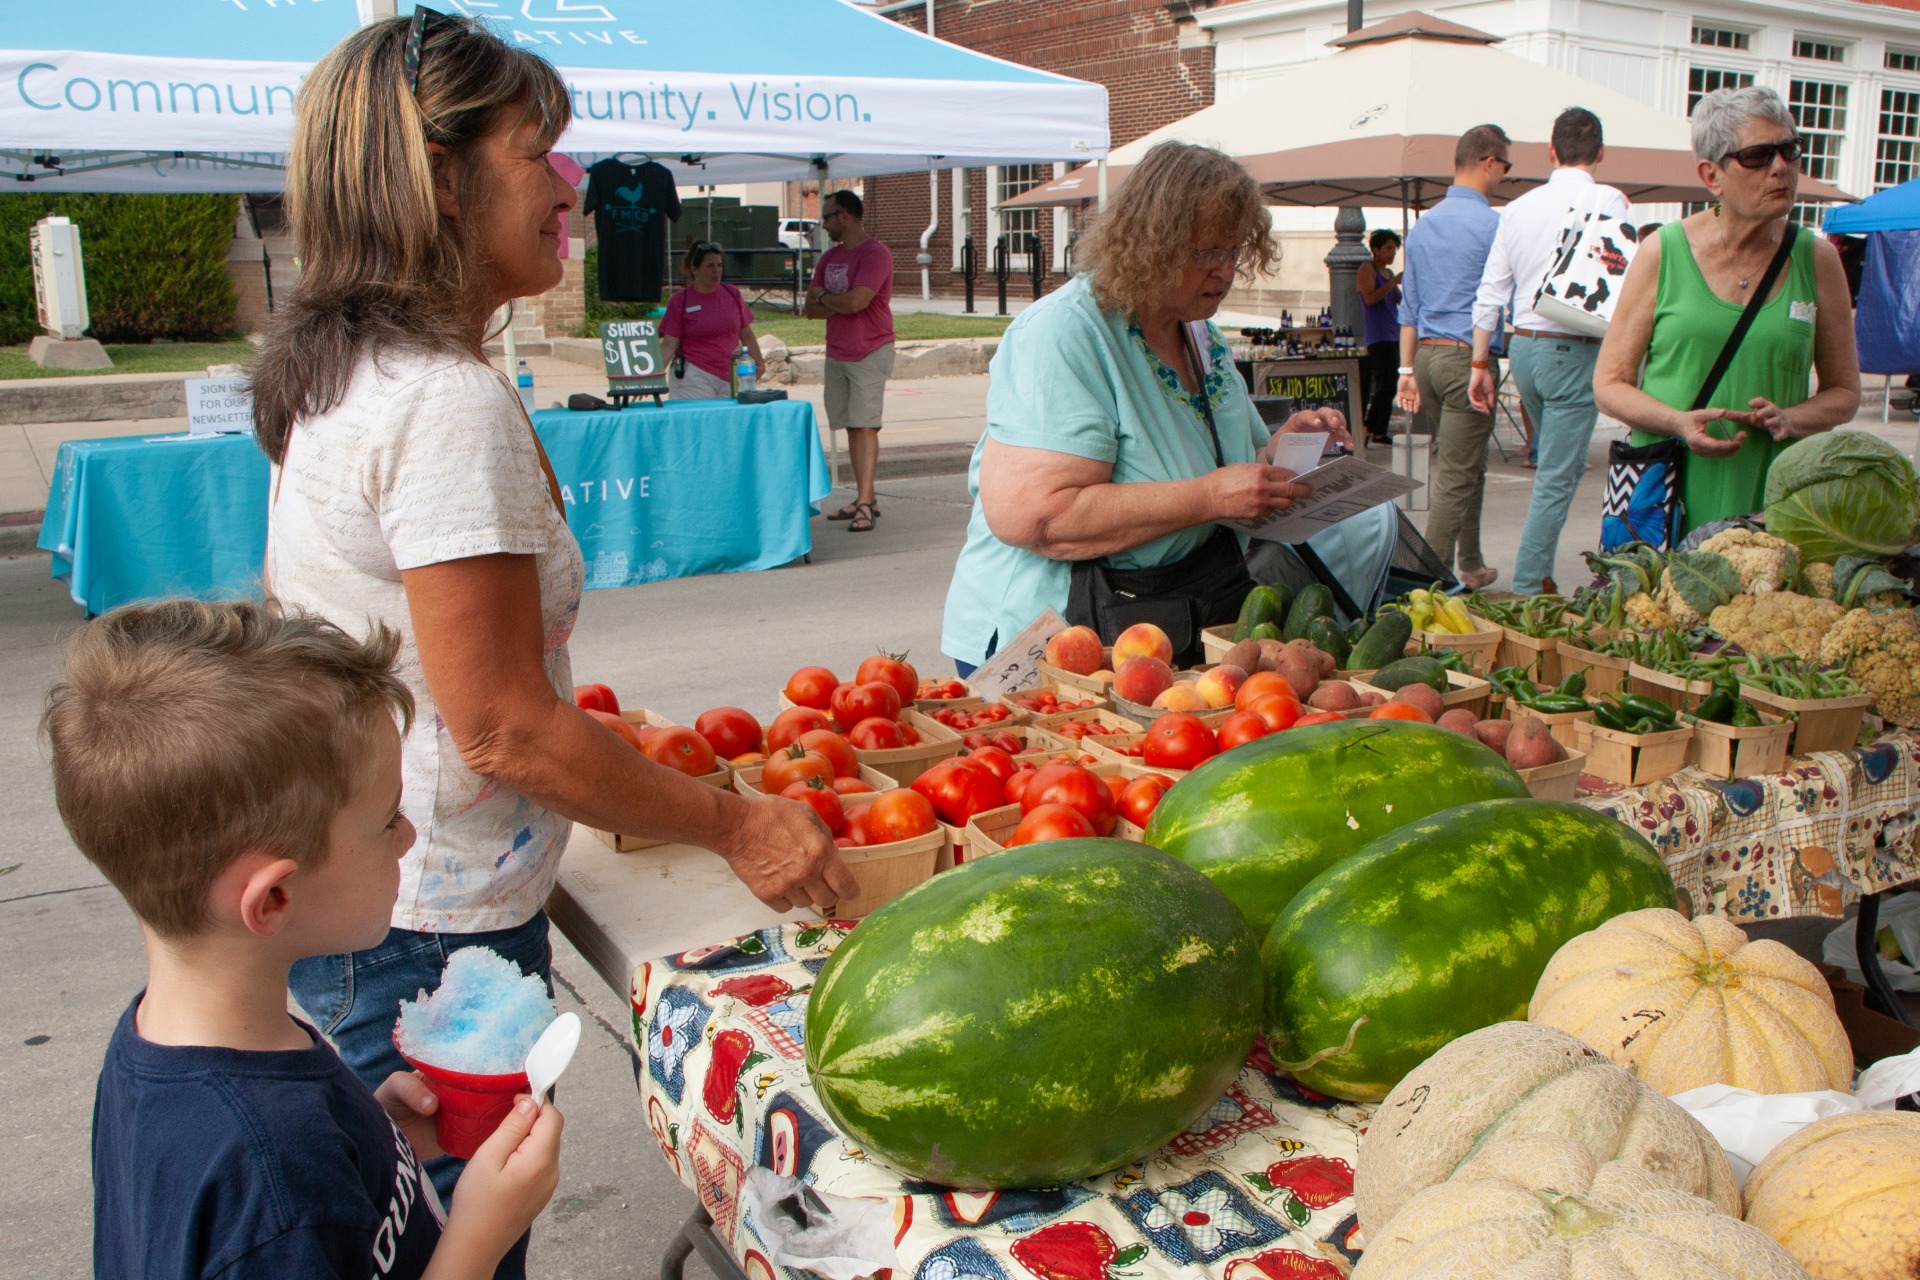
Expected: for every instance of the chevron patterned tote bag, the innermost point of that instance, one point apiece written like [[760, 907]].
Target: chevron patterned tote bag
[[1642, 502]]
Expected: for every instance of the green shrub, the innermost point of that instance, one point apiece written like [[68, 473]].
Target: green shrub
[[156, 264]]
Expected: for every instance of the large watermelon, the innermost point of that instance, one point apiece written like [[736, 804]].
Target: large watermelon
[[1263, 819], [1439, 929], [1035, 1017]]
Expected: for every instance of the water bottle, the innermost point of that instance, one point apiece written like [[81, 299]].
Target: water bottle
[[743, 372], [524, 381]]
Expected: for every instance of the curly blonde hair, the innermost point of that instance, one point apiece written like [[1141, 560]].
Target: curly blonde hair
[[1177, 195]]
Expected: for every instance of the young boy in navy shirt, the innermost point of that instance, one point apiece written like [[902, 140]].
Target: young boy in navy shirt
[[236, 775]]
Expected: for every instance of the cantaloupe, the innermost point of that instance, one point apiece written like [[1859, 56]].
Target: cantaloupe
[[1542, 1207], [1684, 1003], [1843, 1195], [1512, 1079]]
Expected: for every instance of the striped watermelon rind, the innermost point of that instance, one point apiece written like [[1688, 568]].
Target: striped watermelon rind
[[1039, 1016], [1262, 820], [1439, 929]]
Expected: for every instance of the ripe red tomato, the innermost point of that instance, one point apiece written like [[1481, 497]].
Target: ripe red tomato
[[835, 748], [811, 687], [859, 828], [1116, 784], [595, 697], [1318, 717], [995, 760], [1077, 787], [1242, 727], [732, 732], [876, 734], [1049, 822], [824, 799], [1016, 786], [795, 764], [790, 724], [628, 734], [958, 789], [941, 690], [1179, 740], [853, 703], [1278, 710], [1142, 794], [681, 748], [893, 671], [900, 814], [852, 786], [1399, 711], [909, 736]]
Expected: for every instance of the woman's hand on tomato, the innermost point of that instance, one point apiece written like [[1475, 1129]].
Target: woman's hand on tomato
[[786, 857], [822, 798], [959, 788], [1049, 822], [1076, 787]]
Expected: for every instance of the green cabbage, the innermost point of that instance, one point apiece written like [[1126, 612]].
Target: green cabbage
[[1843, 493]]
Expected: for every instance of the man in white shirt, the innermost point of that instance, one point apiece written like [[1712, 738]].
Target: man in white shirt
[[1552, 368]]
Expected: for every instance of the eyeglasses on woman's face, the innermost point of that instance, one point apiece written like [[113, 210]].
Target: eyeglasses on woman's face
[[1760, 155], [1214, 259]]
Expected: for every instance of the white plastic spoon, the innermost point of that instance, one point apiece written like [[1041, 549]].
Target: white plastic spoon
[[551, 1053]]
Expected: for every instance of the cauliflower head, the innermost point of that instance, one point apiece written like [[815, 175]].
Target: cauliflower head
[[1776, 623], [1883, 653], [1647, 613], [1765, 563]]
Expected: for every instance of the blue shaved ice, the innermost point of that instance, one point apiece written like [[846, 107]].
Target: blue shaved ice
[[482, 1019]]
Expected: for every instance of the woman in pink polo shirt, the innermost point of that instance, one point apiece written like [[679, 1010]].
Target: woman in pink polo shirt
[[706, 323]]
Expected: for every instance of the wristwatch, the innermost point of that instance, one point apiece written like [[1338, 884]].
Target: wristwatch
[[1406, 370]]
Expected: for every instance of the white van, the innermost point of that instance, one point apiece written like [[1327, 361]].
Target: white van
[[800, 233]]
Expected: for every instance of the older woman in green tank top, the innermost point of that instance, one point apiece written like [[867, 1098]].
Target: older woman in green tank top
[[1685, 292]]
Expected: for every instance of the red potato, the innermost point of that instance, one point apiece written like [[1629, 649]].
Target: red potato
[[1421, 696], [1494, 733], [1334, 695], [1245, 655], [1270, 651], [1460, 720], [1300, 674], [1322, 661], [1372, 698], [1531, 744]]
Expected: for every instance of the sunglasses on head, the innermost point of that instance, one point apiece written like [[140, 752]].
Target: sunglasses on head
[[1760, 155]]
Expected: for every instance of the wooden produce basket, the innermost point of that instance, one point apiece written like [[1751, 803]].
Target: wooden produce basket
[[1728, 752], [971, 698], [1032, 737], [1819, 724], [721, 778], [1633, 759], [1065, 692], [937, 742], [1477, 648], [986, 831], [1100, 682], [1559, 724], [1605, 673], [1540, 655], [1677, 692], [885, 871], [1558, 781], [1215, 641], [1463, 690]]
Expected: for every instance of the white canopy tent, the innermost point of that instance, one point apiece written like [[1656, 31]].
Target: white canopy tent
[[130, 95]]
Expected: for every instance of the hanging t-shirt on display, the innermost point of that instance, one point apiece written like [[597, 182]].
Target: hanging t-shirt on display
[[631, 206]]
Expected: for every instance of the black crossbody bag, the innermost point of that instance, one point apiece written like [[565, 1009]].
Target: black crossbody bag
[[1203, 588], [1642, 502]]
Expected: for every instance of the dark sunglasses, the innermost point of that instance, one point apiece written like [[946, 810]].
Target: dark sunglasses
[[1760, 155], [416, 34]]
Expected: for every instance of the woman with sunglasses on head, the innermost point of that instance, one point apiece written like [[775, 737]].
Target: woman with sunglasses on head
[[706, 322], [409, 489], [1118, 430], [1687, 289]]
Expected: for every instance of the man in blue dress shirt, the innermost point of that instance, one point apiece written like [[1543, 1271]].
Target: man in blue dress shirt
[[1446, 255]]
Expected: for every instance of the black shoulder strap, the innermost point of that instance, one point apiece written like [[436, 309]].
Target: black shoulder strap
[[1758, 300], [1206, 404]]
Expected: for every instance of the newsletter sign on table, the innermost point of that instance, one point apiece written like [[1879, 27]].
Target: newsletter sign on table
[[218, 406]]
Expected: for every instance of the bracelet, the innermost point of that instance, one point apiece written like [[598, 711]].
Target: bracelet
[[1479, 364], [1406, 370]]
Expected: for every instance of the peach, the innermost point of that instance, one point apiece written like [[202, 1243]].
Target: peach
[[1141, 679], [1142, 639], [1218, 685], [1077, 649], [1182, 695]]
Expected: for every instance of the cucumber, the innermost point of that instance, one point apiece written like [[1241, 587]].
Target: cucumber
[[1265, 631], [1263, 604], [1405, 671], [1329, 638], [1384, 643], [1314, 601]]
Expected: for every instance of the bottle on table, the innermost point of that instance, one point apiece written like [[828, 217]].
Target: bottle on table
[[523, 380], [743, 371]]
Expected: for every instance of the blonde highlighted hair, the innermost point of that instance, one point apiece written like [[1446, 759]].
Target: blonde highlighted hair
[[186, 734], [379, 264], [1178, 196]]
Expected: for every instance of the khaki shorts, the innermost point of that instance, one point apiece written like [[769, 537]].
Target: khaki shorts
[[855, 389]]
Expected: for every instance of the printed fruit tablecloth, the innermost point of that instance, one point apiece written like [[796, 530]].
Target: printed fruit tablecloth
[[1259, 1188], [1787, 844]]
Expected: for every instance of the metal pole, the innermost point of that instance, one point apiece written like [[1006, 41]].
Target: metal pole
[[1001, 267], [1100, 182], [969, 264], [1355, 14], [1036, 262]]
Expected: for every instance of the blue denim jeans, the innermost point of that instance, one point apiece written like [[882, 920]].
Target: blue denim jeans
[[355, 1000], [1555, 381]]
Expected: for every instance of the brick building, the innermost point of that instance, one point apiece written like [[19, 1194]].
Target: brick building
[[1151, 55]]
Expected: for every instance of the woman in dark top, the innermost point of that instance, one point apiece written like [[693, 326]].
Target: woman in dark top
[[1380, 291]]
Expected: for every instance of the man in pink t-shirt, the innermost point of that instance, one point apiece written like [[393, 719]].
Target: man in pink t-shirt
[[852, 291]]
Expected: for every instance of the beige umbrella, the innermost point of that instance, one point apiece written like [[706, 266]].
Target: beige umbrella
[[1375, 124]]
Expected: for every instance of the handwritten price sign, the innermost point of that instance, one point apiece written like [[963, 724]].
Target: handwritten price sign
[[1016, 666]]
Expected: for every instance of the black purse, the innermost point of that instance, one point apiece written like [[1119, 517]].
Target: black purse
[[1203, 588]]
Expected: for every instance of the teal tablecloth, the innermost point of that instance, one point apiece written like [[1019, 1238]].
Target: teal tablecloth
[[651, 492]]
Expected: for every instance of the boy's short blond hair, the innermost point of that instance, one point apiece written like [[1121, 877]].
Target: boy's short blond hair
[[187, 733]]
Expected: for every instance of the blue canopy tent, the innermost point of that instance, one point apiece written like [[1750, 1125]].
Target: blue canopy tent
[[1886, 319], [106, 95]]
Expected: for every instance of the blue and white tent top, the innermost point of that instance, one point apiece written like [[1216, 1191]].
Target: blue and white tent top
[[718, 90], [1895, 209]]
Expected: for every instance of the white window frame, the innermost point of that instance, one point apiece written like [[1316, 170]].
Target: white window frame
[[1742, 36], [1834, 161], [1687, 92], [1895, 51], [1841, 47], [1909, 141]]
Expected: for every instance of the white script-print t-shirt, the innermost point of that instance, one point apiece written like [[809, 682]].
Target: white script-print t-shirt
[[429, 458]]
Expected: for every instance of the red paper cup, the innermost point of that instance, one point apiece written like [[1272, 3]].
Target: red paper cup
[[471, 1107]]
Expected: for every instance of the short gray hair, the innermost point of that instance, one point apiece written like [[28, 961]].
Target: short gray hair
[[1719, 115]]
